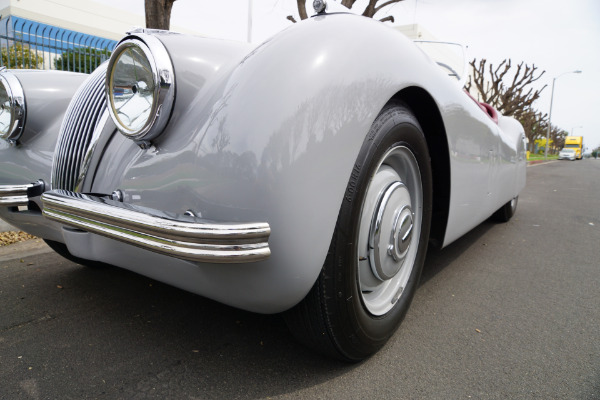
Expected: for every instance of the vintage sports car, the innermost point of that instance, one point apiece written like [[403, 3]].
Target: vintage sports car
[[306, 175]]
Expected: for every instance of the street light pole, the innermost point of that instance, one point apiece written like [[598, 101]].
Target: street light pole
[[550, 112], [249, 21]]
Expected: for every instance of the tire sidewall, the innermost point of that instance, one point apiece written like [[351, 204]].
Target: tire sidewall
[[395, 126]]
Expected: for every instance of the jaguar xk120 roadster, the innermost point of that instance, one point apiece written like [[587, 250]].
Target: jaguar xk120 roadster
[[306, 175]]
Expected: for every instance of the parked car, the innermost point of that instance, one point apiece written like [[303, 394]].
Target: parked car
[[307, 175], [567, 154]]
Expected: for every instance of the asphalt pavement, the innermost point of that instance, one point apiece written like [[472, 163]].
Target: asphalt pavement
[[5, 226], [510, 311]]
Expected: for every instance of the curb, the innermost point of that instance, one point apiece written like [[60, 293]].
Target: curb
[[23, 249], [538, 162]]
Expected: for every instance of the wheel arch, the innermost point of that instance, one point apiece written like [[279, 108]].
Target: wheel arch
[[428, 114]]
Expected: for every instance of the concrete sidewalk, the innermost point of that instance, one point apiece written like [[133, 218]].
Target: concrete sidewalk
[[23, 249]]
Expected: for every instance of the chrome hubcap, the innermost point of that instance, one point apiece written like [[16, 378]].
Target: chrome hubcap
[[390, 226], [392, 219]]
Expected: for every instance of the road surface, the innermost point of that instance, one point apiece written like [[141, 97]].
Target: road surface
[[508, 311]]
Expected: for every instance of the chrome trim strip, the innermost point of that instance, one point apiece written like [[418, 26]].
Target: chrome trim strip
[[87, 158], [19, 195], [192, 239]]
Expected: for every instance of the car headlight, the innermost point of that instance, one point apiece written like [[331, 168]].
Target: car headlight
[[140, 87], [12, 106]]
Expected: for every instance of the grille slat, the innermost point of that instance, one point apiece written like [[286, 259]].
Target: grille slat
[[73, 112], [81, 141], [89, 126], [82, 133], [79, 123]]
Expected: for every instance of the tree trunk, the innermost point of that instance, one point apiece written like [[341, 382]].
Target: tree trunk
[[158, 13]]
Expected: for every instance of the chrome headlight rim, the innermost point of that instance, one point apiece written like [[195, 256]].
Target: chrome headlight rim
[[163, 75], [16, 100]]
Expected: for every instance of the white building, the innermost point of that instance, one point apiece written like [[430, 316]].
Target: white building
[[75, 35], [85, 16]]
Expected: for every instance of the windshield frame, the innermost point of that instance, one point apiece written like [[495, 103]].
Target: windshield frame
[[462, 79]]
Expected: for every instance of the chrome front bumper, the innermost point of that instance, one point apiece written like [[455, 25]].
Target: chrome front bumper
[[19, 195], [194, 240]]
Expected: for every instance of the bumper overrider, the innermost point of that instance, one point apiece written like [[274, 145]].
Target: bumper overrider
[[192, 239], [19, 195]]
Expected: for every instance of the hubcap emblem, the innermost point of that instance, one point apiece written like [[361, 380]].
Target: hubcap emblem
[[401, 234], [391, 231]]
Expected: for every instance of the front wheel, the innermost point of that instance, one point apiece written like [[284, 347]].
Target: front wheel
[[378, 248]]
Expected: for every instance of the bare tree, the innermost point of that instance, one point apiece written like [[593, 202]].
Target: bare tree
[[535, 125], [557, 139], [372, 8], [158, 13], [510, 97]]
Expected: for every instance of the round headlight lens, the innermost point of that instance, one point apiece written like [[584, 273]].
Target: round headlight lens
[[5, 111], [12, 106], [140, 87], [132, 88]]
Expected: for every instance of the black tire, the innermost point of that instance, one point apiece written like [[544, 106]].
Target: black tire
[[347, 314], [506, 212], [62, 249]]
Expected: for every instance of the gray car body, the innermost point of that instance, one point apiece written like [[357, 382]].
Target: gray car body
[[271, 134], [47, 94]]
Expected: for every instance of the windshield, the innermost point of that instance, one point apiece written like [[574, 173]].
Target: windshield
[[449, 56], [568, 150]]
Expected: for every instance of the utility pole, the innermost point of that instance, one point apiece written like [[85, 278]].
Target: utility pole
[[550, 113]]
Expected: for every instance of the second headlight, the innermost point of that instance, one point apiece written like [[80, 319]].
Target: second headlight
[[12, 106], [140, 87]]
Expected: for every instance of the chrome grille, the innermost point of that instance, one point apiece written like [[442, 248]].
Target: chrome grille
[[79, 123]]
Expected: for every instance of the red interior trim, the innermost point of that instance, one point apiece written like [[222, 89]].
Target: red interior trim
[[486, 108]]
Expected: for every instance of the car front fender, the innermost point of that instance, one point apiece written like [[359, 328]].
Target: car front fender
[[268, 137]]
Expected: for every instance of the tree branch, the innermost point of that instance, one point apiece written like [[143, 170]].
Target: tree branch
[[387, 3], [514, 98], [348, 3], [370, 9]]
